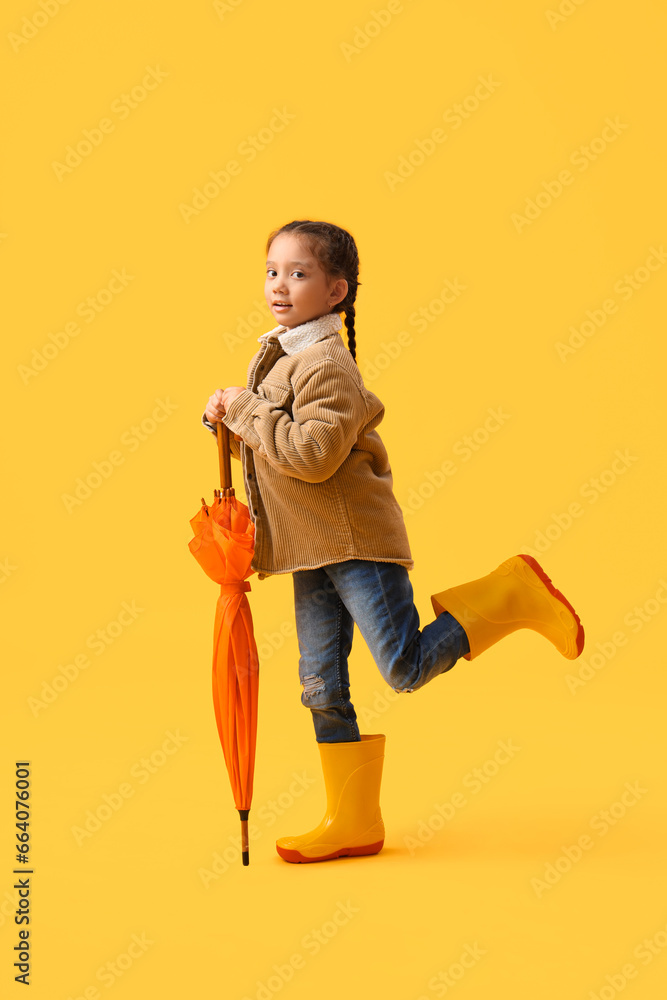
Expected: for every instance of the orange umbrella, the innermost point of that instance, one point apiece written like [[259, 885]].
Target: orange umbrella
[[223, 545]]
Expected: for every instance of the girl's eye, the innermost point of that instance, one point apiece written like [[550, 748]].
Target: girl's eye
[[271, 271]]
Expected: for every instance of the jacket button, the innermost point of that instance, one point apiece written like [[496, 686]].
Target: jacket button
[[250, 475]]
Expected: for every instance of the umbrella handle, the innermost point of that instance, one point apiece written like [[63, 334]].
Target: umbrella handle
[[224, 458], [243, 813]]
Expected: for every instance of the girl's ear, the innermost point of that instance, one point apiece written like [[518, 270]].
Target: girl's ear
[[338, 291]]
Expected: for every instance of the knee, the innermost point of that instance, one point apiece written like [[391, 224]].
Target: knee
[[402, 688], [399, 676], [315, 693]]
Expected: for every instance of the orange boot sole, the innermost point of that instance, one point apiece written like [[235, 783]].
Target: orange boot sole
[[534, 565], [297, 858]]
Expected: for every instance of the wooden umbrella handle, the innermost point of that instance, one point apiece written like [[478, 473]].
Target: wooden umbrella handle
[[245, 853], [224, 459]]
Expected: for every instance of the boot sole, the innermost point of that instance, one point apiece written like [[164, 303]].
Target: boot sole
[[535, 566], [298, 858]]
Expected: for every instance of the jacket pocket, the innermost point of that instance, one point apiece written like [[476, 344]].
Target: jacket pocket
[[278, 393]]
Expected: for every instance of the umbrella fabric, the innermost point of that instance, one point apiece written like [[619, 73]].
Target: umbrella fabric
[[223, 545]]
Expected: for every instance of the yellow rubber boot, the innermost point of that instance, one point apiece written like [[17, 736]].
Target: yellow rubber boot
[[518, 594], [352, 823]]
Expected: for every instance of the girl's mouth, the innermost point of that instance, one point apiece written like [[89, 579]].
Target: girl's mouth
[[282, 306]]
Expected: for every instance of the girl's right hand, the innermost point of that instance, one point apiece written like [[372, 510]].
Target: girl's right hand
[[214, 411]]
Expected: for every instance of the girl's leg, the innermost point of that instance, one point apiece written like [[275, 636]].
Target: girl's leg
[[379, 598], [324, 630]]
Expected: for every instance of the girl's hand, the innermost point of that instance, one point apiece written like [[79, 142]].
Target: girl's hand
[[218, 403], [230, 394]]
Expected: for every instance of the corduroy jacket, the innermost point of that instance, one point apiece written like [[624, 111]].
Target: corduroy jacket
[[317, 476]]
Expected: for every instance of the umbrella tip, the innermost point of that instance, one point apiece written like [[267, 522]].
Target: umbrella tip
[[246, 859]]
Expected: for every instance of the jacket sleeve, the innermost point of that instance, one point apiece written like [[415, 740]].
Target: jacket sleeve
[[233, 443], [327, 414]]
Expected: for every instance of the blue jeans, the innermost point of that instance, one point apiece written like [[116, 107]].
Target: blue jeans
[[378, 597]]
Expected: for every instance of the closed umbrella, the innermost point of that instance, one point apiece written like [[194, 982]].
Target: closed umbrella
[[223, 545]]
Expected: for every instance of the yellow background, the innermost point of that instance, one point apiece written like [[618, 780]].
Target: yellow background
[[360, 100]]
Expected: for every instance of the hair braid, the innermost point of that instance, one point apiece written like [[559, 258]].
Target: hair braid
[[349, 323]]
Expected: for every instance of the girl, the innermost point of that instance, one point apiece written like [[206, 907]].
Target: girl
[[319, 488]]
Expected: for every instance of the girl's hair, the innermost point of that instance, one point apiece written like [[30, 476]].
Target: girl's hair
[[336, 252]]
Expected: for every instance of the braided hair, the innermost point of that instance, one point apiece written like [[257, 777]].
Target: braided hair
[[336, 253]]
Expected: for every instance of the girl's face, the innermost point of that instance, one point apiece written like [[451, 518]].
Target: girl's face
[[295, 278]]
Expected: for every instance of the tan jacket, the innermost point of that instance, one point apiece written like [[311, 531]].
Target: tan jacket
[[317, 475]]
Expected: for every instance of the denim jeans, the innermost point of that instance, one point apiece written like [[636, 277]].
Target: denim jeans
[[378, 597]]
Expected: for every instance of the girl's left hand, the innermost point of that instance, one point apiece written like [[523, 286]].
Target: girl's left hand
[[230, 394]]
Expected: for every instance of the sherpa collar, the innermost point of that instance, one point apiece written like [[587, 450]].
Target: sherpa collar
[[304, 334]]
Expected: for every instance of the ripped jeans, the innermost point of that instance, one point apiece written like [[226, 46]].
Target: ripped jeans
[[378, 597]]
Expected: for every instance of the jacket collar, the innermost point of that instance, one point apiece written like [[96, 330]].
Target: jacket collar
[[304, 334]]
